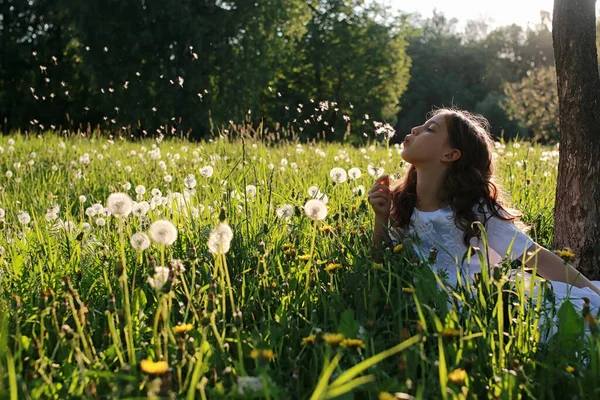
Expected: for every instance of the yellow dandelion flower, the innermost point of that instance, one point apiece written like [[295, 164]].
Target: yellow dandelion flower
[[268, 354], [154, 367], [449, 332], [290, 252], [408, 290], [309, 339], [304, 257], [457, 376], [386, 396], [377, 265], [183, 328], [287, 246], [353, 343], [333, 339], [326, 228], [332, 266], [398, 248], [565, 254], [254, 354], [570, 369]]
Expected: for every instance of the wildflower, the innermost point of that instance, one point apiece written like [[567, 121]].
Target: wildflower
[[163, 232], [154, 367], [326, 228], [285, 211], [408, 290], [315, 209], [100, 221], [2, 214], [304, 257], [377, 265], [190, 181], [333, 339], [398, 248], [141, 209], [82, 199], [566, 254], [359, 190], [287, 246], [354, 173], [375, 171], [139, 241], [449, 332], [268, 355], [309, 339], [570, 369], [161, 276], [24, 217], [338, 175], [457, 376], [220, 239], [331, 266], [207, 171], [353, 343], [119, 204], [183, 328], [249, 384], [251, 191]]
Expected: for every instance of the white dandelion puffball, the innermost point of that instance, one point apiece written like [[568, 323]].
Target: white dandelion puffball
[[2, 214], [190, 181], [161, 276], [163, 232], [251, 190], [119, 204], [354, 173], [338, 175], [206, 171], [100, 221], [24, 217], [139, 241], [313, 191], [220, 239], [82, 199], [374, 171], [285, 211], [315, 209]]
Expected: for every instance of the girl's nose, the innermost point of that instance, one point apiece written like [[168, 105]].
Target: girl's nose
[[414, 132]]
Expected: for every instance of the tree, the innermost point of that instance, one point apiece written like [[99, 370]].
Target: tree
[[577, 208], [534, 103]]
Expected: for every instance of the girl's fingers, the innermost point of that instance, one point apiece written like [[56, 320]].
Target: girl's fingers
[[379, 187]]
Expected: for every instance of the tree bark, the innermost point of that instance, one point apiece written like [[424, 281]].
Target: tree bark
[[577, 208]]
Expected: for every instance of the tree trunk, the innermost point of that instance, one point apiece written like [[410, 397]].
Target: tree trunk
[[577, 209]]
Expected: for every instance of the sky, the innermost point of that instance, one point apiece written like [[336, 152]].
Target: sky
[[495, 12]]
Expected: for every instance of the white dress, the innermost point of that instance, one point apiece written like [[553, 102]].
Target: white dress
[[437, 229]]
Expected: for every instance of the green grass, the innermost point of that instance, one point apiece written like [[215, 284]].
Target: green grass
[[78, 316]]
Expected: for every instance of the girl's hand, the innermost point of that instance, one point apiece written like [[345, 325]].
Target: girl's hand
[[380, 197]]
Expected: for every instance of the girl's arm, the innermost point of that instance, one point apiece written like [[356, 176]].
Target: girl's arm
[[553, 268], [380, 235]]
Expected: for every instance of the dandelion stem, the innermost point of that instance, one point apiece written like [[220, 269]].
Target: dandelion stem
[[128, 321]]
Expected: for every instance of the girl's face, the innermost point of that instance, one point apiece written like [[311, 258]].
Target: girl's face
[[429, 144]]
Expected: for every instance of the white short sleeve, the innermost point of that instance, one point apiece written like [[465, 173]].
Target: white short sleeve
[[501, 234]]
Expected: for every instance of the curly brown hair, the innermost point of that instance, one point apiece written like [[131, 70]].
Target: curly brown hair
[[469, 181]]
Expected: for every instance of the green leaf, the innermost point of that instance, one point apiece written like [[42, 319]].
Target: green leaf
[[348, 325], [570, 323]]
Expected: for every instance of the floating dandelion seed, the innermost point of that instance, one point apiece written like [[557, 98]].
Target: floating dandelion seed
[[160, 277], [285, 211], [251, 190], [139, 241], [338, 175], [220, 239], [119, 204], [163, 232], [315, 209]]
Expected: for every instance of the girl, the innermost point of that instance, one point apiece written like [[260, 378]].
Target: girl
[[449, 185]]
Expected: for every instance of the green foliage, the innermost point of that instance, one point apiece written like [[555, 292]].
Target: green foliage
[[534, 103], [78, 315]]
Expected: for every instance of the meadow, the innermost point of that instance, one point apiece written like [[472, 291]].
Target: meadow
[[241, 268]]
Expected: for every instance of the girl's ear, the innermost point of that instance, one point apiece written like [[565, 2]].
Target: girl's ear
[[451, 156]]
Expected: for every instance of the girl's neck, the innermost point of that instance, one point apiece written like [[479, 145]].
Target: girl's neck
[[429, 188]]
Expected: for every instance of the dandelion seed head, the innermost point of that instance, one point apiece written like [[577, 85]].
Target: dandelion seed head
[[219, 239], [315, 209], [139, 241], [338, 175], [163, 232], [119, 204]]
